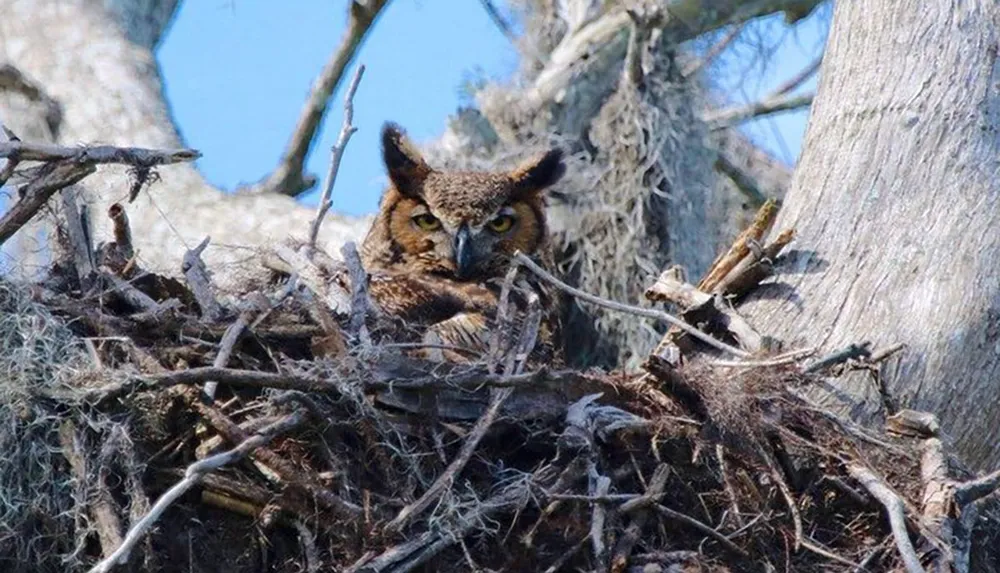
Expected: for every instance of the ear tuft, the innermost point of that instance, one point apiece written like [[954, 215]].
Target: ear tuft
[[539, 172], [406, 166]]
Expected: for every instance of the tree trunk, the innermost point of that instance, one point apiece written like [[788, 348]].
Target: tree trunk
[[96, 60], [895, 200]]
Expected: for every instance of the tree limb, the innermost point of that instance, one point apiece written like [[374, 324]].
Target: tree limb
[[728, 117], [289, 178], [93, 154]]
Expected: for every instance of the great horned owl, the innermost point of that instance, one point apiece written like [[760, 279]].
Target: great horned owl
[[442, 242]]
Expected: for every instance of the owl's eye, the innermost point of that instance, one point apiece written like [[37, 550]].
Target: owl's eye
[[427, 222], [501, 224]]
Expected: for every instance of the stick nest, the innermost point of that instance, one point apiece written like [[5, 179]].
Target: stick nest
[[334, 447]]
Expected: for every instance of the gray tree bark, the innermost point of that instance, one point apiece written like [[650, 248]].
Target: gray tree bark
[[95, 58], [896, 200]]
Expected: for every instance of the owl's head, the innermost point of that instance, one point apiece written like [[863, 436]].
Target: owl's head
[[463, 225]]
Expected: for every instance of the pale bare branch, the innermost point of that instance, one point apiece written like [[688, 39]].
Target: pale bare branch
[[347, 129]]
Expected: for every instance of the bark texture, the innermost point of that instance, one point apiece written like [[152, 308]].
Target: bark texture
[[96, 60], [895, 200]]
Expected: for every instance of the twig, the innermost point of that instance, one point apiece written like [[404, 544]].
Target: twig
[[881, 355], [194, 474], [229, 339], [499, 21], [51, 178], [288, 177], [895, 508], [715, 50], [746, 184], [692, 522], [786, 492], [811, 545], [852, 351], [7, 166], [780, 360], [347, 129], [96, 154], [196, 274], [636, 310], [797, 80], [722, 118], [623, 549]]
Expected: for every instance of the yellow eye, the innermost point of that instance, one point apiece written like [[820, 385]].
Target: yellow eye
[[427, 222], [501, 224]]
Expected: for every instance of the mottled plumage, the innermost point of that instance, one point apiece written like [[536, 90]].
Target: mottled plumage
[[442, 241]]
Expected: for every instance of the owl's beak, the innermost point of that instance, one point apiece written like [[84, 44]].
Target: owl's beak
[[464, 260]]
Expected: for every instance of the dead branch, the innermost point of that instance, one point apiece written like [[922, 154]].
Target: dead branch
[[743, 181], [347, 129], [105, 514], [633, 532], [96, 154], [714, 51], [740, 248], [636, 310], [253, 306], [728, 117], [52, 177], [895, 509], [277, 467], [200, 284], [7, 166], [194, 474], [82, 249], [694, 523], [799, 78], [289, 176], [361, 306], [852, 351]]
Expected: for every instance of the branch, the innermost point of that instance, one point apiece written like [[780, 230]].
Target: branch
[[137, 156], [683, 21], [52, 178], [289, 178], [194, 474], [714, 51], [799, 78], [897, 517], [746, 184], [347, 129], [198, 281], [722, 118], [636, 310]]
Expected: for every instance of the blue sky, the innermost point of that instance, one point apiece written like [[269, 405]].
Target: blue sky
[[238, 71]]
